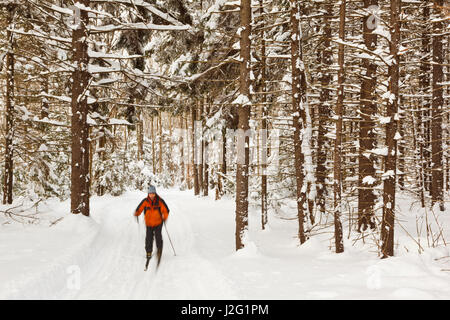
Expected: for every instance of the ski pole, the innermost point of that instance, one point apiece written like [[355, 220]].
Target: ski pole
[[169, 238], [138, 226], [164, 223]]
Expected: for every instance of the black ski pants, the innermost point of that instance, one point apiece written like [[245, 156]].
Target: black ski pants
[[153, 232]]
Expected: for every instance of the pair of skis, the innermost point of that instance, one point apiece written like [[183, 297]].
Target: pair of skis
[[148, 261]]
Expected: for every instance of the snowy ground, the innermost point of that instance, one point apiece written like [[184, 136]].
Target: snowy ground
[[102, 257]]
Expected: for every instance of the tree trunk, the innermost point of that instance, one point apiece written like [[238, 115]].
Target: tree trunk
[[425, 85], [263, 135], [194, 150], [223, 165], [437, 173], [243, 126], [324, 107], [101, 159], [9, 128], [181, 143], [447, 124], [367, 138], [79, 128], [387, 227], [299, 115], [418, 155], [201, 146], [423, 113], [338, 141], [45, 105], [160, 170], [153, 144], [188, 153], [140, 136], [170, 160], [205, 157]]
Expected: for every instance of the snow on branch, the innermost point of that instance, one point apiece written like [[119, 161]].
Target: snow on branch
[[37, 34], [102, 55], [145, 5], [386, 61], [136, 26]]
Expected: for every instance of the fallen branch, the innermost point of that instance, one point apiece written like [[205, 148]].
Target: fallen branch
[[56, 221], [13, 215]]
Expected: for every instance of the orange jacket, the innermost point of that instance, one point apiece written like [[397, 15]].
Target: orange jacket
[[153, 211]]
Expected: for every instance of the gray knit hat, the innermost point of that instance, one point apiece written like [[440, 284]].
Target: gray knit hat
[[151, 189]]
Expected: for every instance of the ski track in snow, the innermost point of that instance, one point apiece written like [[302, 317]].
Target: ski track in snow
[[108, 251], [117, 269]]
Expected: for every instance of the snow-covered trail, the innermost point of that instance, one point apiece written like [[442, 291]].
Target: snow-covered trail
[[115, 269], [103, 257]]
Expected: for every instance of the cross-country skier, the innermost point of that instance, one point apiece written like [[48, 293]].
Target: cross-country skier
[[156, 212]]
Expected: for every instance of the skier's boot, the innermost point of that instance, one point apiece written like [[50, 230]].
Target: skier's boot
[[149, 255], [159, 253]]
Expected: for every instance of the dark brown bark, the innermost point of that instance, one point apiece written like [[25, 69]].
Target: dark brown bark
[[324, 108], [194, 149], [223, 165], [205, 156], [91, 146], [423, 112], [160, 170], [264, 155], [9, 112], [418, 147], [140, 137], [45, 105], [201, 146], [264, 158], [299, 118], [182, 152], [425, 86], [367, 138], [338, 238], [101, 158], [447, 124], [437, 173], [188, 153], [152, 128], [243, 126], [387, 227], [79, 128], [401, 148], [170, 160]]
